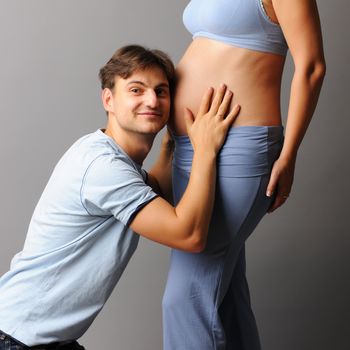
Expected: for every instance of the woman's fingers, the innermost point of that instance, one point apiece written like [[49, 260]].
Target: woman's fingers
[[278, 201], [205, 103], [280, 183], [271, 189]]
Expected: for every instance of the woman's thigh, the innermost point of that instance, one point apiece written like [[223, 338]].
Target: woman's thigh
[[240, 203]]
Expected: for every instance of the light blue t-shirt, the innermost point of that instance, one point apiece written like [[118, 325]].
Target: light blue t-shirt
[[77, 246]]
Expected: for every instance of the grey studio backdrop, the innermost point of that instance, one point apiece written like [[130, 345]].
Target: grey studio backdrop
[[298, 258]]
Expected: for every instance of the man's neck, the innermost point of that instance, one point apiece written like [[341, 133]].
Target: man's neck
[[137, 146]]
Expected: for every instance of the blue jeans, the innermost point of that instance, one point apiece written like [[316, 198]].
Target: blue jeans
[[8, 343]]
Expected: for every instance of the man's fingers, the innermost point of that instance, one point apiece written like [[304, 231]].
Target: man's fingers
[[219, 95], [205, 103], [232, 115], [189, 118], [225, 104]]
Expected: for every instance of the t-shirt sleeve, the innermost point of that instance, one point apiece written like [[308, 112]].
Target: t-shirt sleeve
[[111, 186]]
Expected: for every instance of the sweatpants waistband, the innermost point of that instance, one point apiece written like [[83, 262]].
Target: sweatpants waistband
[[247, 151]]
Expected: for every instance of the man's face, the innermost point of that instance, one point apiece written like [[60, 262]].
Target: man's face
[[141, 103]]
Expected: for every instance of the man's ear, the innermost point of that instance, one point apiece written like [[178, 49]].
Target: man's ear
[[107, 99]]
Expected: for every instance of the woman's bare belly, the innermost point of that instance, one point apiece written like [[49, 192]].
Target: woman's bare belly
[[254, 78]]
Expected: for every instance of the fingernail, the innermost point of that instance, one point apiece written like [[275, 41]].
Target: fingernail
[[269, 193], [223, 85]]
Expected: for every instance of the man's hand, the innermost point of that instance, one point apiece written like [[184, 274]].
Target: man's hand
[[208, 130]]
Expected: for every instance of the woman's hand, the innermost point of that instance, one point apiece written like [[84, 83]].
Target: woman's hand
[[280, 183], [208, 130]]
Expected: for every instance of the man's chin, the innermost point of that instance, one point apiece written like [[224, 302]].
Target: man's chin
[[152, 129]]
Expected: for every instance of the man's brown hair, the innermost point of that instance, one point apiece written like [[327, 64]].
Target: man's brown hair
[[126, 60]]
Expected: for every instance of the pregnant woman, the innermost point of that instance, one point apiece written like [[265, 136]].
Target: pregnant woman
[[243, 43]]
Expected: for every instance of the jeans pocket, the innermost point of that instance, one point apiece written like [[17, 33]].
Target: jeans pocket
[[17, 347], [6, 344], [12, 345]]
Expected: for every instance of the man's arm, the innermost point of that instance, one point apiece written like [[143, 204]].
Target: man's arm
[[160, 175], [186, 226]]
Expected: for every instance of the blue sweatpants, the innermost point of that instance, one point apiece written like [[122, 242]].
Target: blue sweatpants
[[206, 304]]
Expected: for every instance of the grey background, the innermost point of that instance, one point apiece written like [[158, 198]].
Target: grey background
[[298, 258]]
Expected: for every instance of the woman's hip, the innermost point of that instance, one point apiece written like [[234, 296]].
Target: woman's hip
[[247, 152]]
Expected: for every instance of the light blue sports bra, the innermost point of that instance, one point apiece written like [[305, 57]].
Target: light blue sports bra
[[242, 23]]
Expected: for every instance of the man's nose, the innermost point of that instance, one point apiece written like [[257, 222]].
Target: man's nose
[[151, 99]]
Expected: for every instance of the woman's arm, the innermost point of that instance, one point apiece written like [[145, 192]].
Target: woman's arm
[[300, 23]]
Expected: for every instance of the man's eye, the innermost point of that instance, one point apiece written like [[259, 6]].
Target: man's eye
[[135, 90], [161, 92]]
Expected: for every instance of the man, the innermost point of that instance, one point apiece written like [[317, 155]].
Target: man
[[81, 235]]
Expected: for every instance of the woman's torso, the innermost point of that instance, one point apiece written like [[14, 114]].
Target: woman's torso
[[254, 77]]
